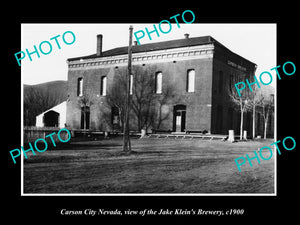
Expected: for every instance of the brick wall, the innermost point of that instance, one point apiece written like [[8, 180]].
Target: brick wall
[[225, 116], [208, 108], [174, 75]]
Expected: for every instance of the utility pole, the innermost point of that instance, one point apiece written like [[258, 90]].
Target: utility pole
[[126, 138]]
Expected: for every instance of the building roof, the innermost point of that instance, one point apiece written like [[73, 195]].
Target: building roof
[[152, 47], [155, 46], [60, 108]]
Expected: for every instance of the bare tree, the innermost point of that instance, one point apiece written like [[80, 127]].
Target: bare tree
[[267, 109], [85, 101], [241, 102], [146, 105], [163, 100], [143, 96], [256, 100], [142, 93], [115, 97]]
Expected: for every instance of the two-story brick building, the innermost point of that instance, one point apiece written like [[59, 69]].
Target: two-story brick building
[[198, 70]]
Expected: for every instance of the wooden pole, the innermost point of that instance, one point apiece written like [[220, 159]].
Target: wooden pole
[[126, 138]]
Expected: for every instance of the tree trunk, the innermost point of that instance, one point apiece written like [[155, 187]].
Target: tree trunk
[[241, 127], [139, 121], [84, 120], [253, 122], [159, 117], [266, 124], [265, 131], [121, 123]]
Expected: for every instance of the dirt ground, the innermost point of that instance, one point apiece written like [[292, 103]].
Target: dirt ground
[[157, 166]]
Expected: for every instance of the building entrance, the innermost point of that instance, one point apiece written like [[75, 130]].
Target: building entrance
[[85, 118], [179, 114], [51, 119]]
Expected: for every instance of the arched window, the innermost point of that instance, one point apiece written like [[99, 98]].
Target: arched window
[[103, 86], [190, 86], [158, 83], [131, 84], [80, 86]]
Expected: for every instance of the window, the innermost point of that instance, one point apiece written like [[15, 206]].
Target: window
[[158, 83], [115, 118], [131, 84], [190, 81], [85, 118], [103, 85], [270, 121], [80, 86]]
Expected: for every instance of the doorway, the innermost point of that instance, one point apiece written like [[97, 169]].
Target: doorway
[[179, 115], [85, 118], [51, 119]]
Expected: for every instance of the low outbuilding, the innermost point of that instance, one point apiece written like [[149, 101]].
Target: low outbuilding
[[54, 117]]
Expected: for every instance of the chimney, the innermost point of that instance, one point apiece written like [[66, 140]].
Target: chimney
[[99, 44], [186, 36]]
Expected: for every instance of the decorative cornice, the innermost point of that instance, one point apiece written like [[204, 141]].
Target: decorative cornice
[[186, 53]]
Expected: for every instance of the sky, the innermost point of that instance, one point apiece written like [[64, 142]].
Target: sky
[[255, 42]]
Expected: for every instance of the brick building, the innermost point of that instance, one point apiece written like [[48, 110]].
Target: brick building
[[197, 70]]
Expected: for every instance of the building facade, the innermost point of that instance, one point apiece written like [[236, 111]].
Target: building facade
[[185, 83]]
